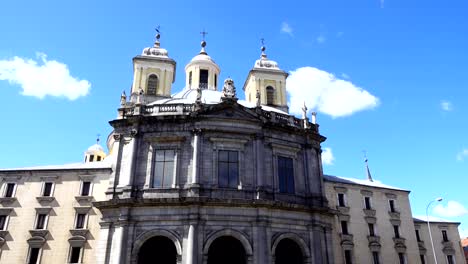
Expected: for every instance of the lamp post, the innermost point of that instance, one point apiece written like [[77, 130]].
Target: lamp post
[[429, 226]]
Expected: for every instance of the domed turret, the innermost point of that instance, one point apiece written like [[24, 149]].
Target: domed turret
[[154, 73], [202, 71], [267, 81], [95, 153]]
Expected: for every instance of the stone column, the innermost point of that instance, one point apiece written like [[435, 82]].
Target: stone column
[[102, 250], [195, 177], [259, 161], [260, 246], [191, 249], [317, 243]]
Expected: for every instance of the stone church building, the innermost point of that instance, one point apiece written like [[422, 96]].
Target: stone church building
[[201, 176]]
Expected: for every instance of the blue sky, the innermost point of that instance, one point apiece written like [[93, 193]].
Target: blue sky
[[403, 62]]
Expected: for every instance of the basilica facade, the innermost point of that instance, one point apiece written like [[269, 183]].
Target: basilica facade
[[200, 176]]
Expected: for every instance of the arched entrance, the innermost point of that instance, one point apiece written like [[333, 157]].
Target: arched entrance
[[288, 252], [226, 250], [158, 249]]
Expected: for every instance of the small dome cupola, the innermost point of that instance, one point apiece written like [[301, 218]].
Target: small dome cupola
[[153, 73], [268, 81], [95, 153], [202, 71]]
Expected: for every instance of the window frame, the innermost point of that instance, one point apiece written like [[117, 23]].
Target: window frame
[[445, 235], [450, 259], [344, 227], [229, 162], [396, 231], [39, 255], [392, 205], [85, 220], [343, 195], [148, 79], [80, 254], [45, 222], [270, 92], [52, 189], [375, 257], [418, 235], [422, 258], [90, 190], [6, 188], [401, 258], [348, 258], [288, 176], [371, 229], [5, 222], [154, 165], [368, 203]]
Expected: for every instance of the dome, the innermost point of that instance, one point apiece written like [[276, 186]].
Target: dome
[[265, 63], [95, 148], [155, 52], [202, 57]]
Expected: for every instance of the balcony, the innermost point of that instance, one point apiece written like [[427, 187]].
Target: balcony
[[399, 240], [369, 212], [39, 232], [373, 239], [343, 209], [394, 215]]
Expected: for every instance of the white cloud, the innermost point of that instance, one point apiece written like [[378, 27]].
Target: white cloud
[[462, 154], [323, 92], [43, 77], [321, 39], [327, 156], [453, 209], [446, 105], [286, 28]]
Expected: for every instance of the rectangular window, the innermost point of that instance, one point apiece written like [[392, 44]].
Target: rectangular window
[[47, 191], [423, 259], [348, 259], [341, 200], [396, 230], [285, 175], [401, 257], [10, 189], [3, 222], [91, 158], [344, 227], [371, 229], [85, 188], [367, 203], [450, 259], [98, 158], [375, 257], [75, 254], [80, 221], [418, 237], [41, 221], [190, 79], [203, 79], [33, 255], [392, 205], [228, 168], [444, 235], [164, 168]]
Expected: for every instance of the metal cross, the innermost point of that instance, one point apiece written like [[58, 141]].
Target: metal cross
[[204, 33], [157, 29], [263, 41]]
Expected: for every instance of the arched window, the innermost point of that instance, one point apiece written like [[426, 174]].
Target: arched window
[[270, 93], [153, 82]]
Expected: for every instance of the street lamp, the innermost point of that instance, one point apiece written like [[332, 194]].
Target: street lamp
[[429, 226]]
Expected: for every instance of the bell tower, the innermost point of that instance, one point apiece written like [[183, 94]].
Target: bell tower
[[267, 80], [202, 71], [153, 73]]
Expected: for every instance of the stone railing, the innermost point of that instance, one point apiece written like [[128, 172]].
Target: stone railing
[[185, 109]]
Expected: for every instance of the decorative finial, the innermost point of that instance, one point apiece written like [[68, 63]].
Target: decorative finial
[[98, 139], [158, 36], [123, 99], [369, 176], [304, 111], [203, 43], [263, 48], [229, 90], [314, 118]]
